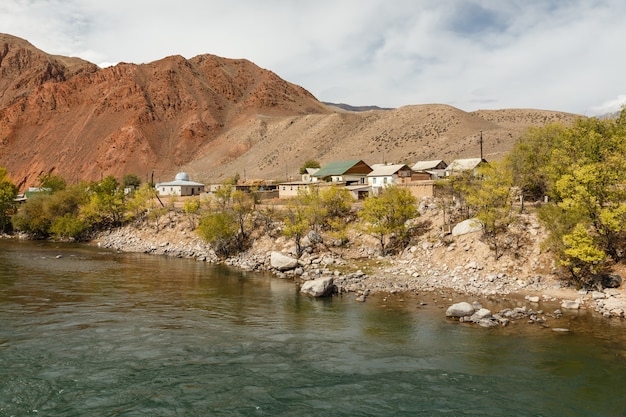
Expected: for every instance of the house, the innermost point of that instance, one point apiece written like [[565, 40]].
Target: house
[[462, 165], [290, 189], [307, 176], [350, 172], [435, 169], [181, 186], [383, 175]]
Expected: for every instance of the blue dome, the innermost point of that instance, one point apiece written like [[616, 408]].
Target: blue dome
[[182, 176]]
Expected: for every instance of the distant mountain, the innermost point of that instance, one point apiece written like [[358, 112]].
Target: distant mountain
[[348, 107], [212, 117]]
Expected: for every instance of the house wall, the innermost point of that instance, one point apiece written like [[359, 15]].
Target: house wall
[[420, 189], [183, 190], [290, 190]]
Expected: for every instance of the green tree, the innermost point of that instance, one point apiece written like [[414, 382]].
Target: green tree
[[336, 201], [191, 206], [386, 214], [131, 181], [311, 163], [33, 218], [583, 169], [8, 193], [142, 200], [52, 183], [296, 223], [219, 229], [492, 202], [583, 257], [106, 205]]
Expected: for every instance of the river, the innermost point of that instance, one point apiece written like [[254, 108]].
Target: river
[[89, 332]]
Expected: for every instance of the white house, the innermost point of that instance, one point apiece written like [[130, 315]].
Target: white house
[[383, 175], [180, 186]]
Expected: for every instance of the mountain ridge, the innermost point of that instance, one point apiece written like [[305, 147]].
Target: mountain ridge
[[212, 117]]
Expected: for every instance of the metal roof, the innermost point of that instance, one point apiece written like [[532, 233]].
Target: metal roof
[[464, 164], [384, 170], [336, 168], [426, 165]]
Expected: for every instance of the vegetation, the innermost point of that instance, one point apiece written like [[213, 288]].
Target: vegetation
[[582, 169], [491, 201], [8, 193], [228, 223], [386, 215], [309, 164]]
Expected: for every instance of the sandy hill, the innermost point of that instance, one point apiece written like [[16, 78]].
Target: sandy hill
[[212, 117]]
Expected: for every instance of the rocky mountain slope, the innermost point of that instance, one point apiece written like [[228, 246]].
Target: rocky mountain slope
[[212, 117]]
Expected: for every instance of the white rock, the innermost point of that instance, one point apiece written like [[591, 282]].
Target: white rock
[[598, 295], [282, 262], [460, 310], [318, 287], [570, 305], [467, 226]]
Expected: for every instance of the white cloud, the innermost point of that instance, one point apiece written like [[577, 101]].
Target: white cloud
[[472, 54]]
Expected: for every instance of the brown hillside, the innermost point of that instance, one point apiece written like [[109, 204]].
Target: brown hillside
[[212, 117], [275, 147]]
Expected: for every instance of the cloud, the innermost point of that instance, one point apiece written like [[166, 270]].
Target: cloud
[[471, 54]]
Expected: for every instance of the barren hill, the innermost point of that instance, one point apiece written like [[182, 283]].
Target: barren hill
[[212, 117]]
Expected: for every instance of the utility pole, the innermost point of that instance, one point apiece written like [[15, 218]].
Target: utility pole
[[481, 145]]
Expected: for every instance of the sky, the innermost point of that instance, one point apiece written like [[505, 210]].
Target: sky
[[564, 55]]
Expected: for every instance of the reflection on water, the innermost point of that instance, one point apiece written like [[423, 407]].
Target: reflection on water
[[88, 332]]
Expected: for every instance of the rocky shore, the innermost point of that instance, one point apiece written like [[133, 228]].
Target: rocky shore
[[460, 264]]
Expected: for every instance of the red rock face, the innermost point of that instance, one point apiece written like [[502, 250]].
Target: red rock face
[[69, 117]]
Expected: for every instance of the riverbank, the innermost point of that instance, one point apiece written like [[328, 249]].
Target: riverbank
[[434, 262]]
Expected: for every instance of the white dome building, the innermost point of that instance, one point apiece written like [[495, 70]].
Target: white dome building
[[180, 186]]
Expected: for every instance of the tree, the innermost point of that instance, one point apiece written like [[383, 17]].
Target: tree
[[311, 163], [218, 229], [583, 169], [52, 183], [142, 200], [491, 201], [8, 193], [191, 206], [386, 214], [296, 223], [106, 203], [583, 257], [131, 181]]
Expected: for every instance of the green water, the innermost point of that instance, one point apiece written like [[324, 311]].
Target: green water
[[85, 332]]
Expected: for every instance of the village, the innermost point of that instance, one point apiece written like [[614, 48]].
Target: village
[[361, 179]]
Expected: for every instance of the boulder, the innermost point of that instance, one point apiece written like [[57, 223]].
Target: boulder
[[570, 305], [611, 281], [467, 226], [460, 310], [282, 262], [320, 287]]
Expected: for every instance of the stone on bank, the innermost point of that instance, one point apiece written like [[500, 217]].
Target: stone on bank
[[282, 262], [320, 287]]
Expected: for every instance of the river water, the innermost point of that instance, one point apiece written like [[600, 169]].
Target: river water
[[87, 332]]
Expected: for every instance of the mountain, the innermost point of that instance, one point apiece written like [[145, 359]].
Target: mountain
[[212, 117]]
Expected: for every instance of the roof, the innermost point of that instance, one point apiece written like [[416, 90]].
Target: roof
[[181, 179], [311, 171], [336, 168], [180, 183], [384, 170], [464, 164], [426, 165]]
